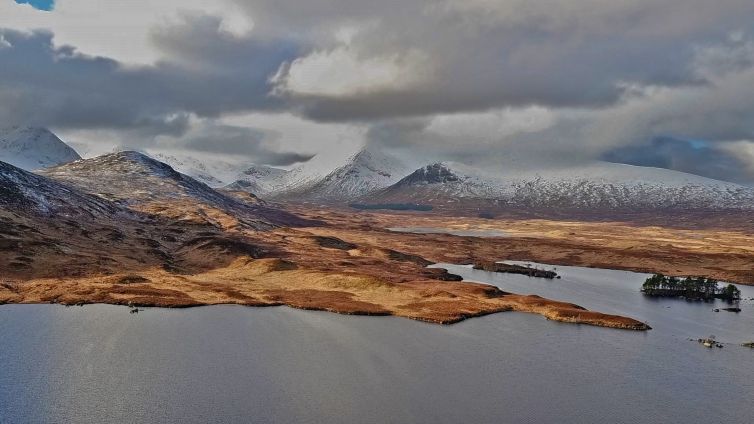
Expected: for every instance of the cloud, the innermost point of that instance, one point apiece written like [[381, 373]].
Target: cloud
[[482, 54], [341, 73], [59, 87], [254, 144], [39, 4], [714, 161], [471, 80], [720, 110], [115, 28]]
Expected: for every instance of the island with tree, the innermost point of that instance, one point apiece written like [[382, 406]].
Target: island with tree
[[694, 288]]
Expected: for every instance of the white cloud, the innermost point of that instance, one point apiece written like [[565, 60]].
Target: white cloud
[[342, 72], [302, 135], [4, 44], [493, 125], [743, 150], [114, 28]]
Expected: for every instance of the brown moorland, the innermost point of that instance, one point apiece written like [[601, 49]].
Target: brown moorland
[[720, 247], [204, 257]]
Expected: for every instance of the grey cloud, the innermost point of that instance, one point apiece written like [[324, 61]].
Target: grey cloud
[[254, 144], [616, 73], [56, 86], [558, 144], [397, 132], [479, 54], [562, 54], [198, 41], [686, 156]]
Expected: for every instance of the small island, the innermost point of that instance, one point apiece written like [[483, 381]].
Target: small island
[[694, 288], [514, 269]]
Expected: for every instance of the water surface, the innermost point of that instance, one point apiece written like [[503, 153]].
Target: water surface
[[464, 232], [99, 363]]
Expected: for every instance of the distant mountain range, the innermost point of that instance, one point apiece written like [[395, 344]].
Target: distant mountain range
[[323, 178], [212, 171], [590, 187], [361, 173], [370, 177]]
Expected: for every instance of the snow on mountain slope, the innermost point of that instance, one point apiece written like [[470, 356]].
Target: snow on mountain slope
[[258, 179], [22, 192], [132, 177], [211, 171], [332, 179], [32, 148], [136, 180], [592, 186]]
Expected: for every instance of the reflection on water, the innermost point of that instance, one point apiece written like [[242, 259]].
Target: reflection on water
[[452, 231], [235, 364]]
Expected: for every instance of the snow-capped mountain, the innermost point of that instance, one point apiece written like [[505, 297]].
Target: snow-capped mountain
[[23, 193], [32, 148], [587, 187], [136, 180], [327, 178], [365, 172], [211, 171], [258, 179]]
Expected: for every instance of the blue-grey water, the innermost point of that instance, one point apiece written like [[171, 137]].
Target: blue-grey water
[[100, 364], [484, 233]]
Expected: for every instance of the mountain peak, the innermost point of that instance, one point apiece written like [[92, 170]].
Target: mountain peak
[[128, 162], [30, 148], [587, 188], [363, 172], [436, 173]]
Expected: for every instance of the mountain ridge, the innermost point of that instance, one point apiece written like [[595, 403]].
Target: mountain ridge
[[594, 186], [360, 173], [140, 182], [24, 192]]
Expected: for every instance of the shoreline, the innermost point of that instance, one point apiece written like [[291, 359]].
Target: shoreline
[[437, 302], [584, 316]]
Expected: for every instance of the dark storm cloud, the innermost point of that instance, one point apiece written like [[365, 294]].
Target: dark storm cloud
[[693, 157], [248, 142], [484, 54], [56, 86], [592, 74], [473, 55]]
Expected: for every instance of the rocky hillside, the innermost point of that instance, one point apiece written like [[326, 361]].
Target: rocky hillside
[[24, 193], [145, 184]]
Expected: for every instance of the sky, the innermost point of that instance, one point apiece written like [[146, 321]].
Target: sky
[[39, 4], [667, 83]]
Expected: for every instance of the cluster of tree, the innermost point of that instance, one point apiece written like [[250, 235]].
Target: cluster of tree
[[689, 287]]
